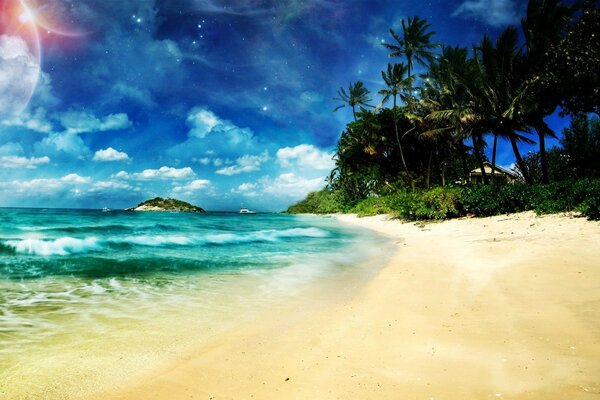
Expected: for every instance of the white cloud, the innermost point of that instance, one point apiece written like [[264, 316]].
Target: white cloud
[[122, 175], [11, 148], [74, 178], [52, 186], [108, 186], [140, 95], [203, 161], [492, 12], [163, 173], [244, 164], [110, 154], [291, 185], [212, 136], [203, 122], [247, 189], [305, 156], [66, 143], [22, 162], [19, 72], [197, 184], [35, 121], [76, 122]]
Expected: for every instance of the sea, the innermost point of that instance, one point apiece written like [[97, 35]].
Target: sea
[[90, 299]]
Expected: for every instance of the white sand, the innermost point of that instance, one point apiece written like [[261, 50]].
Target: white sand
[[501, 307]]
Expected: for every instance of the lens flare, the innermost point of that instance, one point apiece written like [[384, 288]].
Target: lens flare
[[56, 17], [20, 58]]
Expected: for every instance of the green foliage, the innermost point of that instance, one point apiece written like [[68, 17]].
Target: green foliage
[[559, 165], [322, 202], [373, 206], [170, 205], [439, 203], [487, 200], [571, 70], [581, 143], [569, 195], [481, 201]]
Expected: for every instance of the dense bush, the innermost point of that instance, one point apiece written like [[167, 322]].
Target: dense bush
[[322, 202], [481, 201]]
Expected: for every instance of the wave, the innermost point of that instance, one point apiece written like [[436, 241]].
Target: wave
[[154, 240], [69, 245], [98, 229], [61, 246], [266, 235]]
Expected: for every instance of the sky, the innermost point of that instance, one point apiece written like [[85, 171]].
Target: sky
[[106, 103]]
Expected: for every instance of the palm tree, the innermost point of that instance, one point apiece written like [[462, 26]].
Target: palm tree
[[447, 83], [357, 95], [543, 26], [414, 44], [501, 91], [397, 85]]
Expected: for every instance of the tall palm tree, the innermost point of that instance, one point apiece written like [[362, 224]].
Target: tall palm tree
[[357, 95], [501, 92], [396, 82], [414, 44], [543, 26], [397, 85], [445, 84]]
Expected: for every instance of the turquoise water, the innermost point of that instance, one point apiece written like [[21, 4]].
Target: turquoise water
[[74, 281]]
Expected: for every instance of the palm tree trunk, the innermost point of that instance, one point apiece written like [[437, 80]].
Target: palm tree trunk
[[520, 162], [543, 159], [412, 181], [354, 112], [494, 158], [477, 151], [443, 173], [463, 156], [428, 177]]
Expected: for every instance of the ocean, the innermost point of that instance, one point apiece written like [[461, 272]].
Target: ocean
[[87, 297]]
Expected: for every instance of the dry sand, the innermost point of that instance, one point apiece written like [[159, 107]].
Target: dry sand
[[503, 307]]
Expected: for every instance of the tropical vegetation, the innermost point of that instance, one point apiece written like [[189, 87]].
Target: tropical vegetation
[[412, 152]]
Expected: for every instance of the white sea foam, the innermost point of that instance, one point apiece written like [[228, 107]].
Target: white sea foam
[[155, 240], [61, 246], [266, 235]]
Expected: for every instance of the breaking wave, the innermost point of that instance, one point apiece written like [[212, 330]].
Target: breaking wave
[[70, 245], [61, 246]]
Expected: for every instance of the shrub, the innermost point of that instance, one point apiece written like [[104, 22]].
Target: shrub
[[322, 202], [483, 200], [439, 203]]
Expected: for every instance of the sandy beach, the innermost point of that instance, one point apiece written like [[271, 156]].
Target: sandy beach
[[501, 307]]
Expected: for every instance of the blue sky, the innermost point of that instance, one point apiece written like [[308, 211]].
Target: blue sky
[[108, 103]]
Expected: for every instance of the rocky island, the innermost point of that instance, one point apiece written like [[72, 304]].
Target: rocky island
[[160, 204]]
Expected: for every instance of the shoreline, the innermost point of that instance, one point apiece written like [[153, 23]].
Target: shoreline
[[499, 307]]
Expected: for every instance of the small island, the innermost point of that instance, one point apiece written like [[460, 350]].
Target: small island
[[160, 204]]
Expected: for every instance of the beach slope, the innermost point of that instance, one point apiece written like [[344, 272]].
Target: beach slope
[[500, 307]]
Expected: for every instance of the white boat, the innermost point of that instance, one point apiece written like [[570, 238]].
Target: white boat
[[106, 209], [244, 210]]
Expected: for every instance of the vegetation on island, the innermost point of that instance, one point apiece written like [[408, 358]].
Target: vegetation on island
[[412, 152], [160, 204]]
